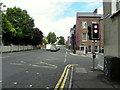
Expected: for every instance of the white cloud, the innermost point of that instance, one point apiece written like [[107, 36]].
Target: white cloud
[[44, 13], [100, 10]]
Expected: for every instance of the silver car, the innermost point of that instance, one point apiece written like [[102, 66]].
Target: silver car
[[53, 49]]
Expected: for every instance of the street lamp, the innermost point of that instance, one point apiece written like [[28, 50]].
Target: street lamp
[[1, 11], [0, 46], [72, 31], [0, 24]]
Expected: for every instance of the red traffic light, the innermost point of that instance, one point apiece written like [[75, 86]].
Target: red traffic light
[[95, 26], [95, 33]]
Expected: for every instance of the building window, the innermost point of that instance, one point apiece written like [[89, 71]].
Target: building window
[[96, 48], [89, 48], [118, 4], [84, 24], [115, 6], [84, 37]]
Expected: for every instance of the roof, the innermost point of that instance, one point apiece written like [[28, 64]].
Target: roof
[[89, 14]]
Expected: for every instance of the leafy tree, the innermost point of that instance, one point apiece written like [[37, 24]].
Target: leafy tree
[[51, 37], [62, 40], [8, 30], [37, 37], [22, 23]]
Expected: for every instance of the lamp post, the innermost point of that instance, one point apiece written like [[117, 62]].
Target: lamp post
[[1, 11], [73, 39], [0, 46], [0, 24]]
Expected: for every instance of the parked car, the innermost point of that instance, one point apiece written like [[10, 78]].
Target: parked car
[[48, 46], [53, 49], [58, 47]]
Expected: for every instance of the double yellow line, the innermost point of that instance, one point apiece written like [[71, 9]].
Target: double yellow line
[[61, 83]]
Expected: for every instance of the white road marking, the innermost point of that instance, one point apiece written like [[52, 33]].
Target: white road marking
[[30, 85], [64, 60], [37, 73], [15, 83], [71, 76], [26, 71]]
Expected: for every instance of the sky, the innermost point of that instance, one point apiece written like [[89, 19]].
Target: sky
[[56, 16]]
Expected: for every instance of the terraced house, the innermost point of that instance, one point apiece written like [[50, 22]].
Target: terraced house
[[83, 20]]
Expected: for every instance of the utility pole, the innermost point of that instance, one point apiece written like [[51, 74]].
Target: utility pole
[[94, 55], [94, 34], [0, 24]]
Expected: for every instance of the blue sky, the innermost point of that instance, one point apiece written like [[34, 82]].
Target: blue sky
[[55, 15], [78, 7]]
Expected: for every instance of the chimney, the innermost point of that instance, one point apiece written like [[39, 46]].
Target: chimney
[[95, 11]]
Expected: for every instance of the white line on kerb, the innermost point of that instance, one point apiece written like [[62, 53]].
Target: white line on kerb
[[65, 60], [71, 76]]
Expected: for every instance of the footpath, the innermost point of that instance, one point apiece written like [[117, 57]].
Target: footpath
[[86, 78], [89, 79]]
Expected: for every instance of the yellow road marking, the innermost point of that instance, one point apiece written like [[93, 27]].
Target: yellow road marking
[[61, 83], [49, 65], [60, 80], [65, 78]]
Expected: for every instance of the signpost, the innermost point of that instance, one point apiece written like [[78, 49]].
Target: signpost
[[94, 34]]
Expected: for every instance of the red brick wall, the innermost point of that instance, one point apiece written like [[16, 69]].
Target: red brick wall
[[80, 30]]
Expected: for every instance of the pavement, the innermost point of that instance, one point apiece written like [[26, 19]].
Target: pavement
[[89, 78], [85, 78]]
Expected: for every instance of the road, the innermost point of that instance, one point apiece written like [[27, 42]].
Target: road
[[39, 68]]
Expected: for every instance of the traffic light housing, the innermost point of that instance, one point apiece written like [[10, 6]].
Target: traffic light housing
[[95, 32], [89, 32]]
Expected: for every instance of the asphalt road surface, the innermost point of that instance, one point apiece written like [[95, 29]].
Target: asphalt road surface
[[39, 68]]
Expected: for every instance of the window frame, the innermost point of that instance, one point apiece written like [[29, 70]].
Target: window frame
[[90, 48], [83, 23], [97, 49], [115, 6], [83, 36]]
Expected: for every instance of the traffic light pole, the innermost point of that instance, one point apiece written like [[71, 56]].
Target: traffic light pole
[[94, 55]]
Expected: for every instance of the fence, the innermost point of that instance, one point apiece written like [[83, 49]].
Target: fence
[[13, 48]]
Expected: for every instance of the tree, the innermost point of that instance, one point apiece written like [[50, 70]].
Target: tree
[[22, 23], [51, 37], [62, 40], [37, 37], [8, 30]]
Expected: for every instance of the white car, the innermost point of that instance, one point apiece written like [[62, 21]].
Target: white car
[[48, 46]]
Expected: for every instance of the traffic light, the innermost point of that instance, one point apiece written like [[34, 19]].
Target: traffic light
[[95, 32], [89, 32]]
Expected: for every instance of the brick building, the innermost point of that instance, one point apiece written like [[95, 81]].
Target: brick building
[[83, 20]]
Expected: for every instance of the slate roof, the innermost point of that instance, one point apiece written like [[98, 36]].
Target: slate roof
[[89, 14]]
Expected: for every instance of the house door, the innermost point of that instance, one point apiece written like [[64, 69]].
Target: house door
[[82, 49]]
